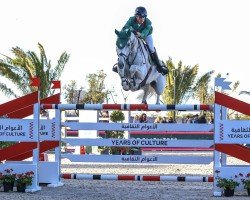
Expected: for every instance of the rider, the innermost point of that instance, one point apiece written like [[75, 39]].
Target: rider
[[142, 27]]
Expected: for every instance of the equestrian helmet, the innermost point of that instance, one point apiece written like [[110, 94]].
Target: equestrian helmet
[[141, 11]]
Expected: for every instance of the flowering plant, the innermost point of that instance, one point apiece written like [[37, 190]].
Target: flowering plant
[[25, 178], [7, 176], [225, 183], [246, 180]]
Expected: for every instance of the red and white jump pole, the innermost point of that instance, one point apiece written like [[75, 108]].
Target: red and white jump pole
[[117, 177], [128, 107]]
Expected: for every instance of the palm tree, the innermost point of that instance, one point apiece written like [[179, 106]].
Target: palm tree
[[179, 83], [25, 65], [201, 88]]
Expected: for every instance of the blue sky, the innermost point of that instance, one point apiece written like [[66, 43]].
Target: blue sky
[[211, 33]]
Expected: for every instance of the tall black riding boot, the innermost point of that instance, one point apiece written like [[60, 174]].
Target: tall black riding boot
[[160, 66]]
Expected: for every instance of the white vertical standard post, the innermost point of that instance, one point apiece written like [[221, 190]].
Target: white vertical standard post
[[217, 117], [36, 115], [58, 149], [217, 154], [223, 117], [220, 113]]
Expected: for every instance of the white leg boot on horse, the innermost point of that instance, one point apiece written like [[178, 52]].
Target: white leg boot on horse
[[160, 66]]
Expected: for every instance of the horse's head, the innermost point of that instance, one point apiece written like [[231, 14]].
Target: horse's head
[[124, 48]]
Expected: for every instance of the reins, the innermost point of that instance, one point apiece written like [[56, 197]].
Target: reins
[[126, 58]]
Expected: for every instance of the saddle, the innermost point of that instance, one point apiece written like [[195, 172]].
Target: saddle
[[154, 60], [151, 59]]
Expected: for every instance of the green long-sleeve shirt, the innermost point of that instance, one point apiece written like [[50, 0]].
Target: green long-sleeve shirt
[[145, 29]]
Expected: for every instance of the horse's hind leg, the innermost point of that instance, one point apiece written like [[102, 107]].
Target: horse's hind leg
[[153, 85], [157, 99], [145, 94], [159, 86]]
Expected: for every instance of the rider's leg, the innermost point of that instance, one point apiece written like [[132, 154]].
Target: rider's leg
[[161, 68], [150, 43]]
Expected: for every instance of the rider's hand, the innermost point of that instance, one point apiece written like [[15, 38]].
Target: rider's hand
[[131, 29], [138, 34]]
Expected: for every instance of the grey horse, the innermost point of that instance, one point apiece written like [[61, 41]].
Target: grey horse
[[135, 66]]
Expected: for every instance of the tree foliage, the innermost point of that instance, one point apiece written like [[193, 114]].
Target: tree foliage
[[202, 89], [25, 65], [96, 92], [179, 82], [117, 116], [72, 94]]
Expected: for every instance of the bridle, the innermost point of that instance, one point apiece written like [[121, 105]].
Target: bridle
[[126, 57]]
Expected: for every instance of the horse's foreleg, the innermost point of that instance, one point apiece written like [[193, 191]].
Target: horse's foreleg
[[137, 74], [133, 70], [140, 71], [125, 84]]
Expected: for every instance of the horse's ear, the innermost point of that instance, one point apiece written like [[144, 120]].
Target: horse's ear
[[117, 32]]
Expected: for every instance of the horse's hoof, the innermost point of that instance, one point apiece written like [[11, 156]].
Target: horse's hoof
[[144, 102], [114, 69]]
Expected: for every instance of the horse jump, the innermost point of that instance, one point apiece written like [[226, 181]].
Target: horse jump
[[223, 130]]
